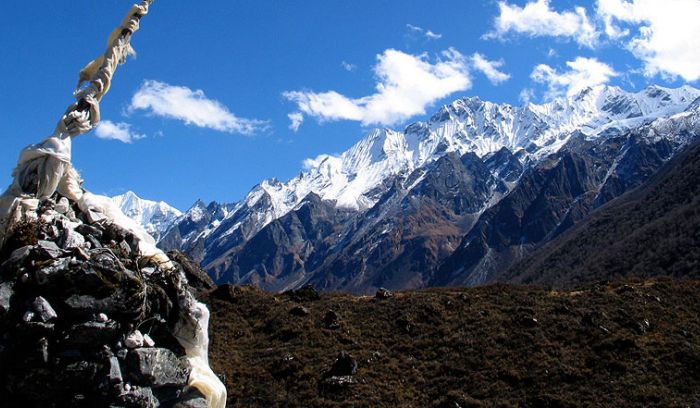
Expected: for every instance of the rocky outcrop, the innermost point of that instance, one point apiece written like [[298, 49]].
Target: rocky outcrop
[[651, 231], [86, 321]]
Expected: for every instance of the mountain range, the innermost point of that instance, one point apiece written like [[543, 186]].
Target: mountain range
[[455, 200], [156, 216]]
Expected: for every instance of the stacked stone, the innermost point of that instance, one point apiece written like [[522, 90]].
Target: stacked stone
[[84, 321]]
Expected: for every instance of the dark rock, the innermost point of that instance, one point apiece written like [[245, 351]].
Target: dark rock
[[37, 329], [88, 230], [299, 311], [49, 249], [156, 367], [196, 277], [78, 375], [43, 309], [92, 334], [286, 367], [43, 275], [344, 365], [18, 256], [191, 399], [330, 320], [306, 293], [139, 397], [383, 294], [92, 240]]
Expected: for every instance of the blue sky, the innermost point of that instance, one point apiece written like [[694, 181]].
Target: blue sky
[[206, 105]]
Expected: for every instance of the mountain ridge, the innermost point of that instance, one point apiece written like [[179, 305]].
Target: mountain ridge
[[381, 171]]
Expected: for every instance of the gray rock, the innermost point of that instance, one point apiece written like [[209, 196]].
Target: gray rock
[[6, 292], [71, 239], [299, 311], [192, 399], [49, 249], [43, 309], [157, 367], [115, 372], [89, 230], [139, 397], [383, 294], [43, 275], [43, 350], [92, 240], [18, 256], [92, 333]]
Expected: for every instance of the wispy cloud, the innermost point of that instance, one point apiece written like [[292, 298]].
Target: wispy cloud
[[537, 19], [407, 84], [295, 120], [348, 66], [489, 68], [582, 73], [311, 163], [424, 32], [192, 107], [433, 36], [116, 131]]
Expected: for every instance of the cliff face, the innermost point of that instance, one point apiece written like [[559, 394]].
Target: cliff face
[[651, 231], [87, 322]]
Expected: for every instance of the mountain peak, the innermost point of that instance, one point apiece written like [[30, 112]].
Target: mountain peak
[[156, 217]]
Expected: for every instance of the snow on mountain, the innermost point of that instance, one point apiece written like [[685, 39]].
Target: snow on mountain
[[466, 125], [356, 179], [155, 217]]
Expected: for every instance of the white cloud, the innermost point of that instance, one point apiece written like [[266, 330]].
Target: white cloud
[[191, 107], [116, 131], [413, 28], [422, 31], [526, 95], [315, 162], [582, 73], [668, 39], [489, 68], [348, 66], [295, 119], [433, 36], [537, 19], [407, 84]]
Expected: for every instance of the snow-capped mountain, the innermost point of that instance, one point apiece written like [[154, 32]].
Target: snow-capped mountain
[[156, 217], [492, 145]]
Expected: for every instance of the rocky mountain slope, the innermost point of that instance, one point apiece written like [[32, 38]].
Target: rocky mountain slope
[[155, 217], [628, 344], [452, 201], [650, 231]]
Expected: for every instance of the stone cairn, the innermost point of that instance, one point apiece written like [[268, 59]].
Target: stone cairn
[[87, 322]]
